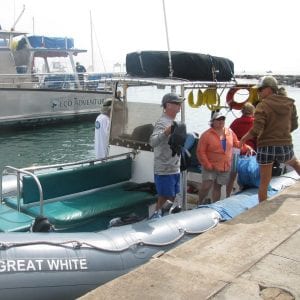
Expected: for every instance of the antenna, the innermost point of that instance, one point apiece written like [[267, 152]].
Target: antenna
[[167, 36], [33, 25], [19, 17]]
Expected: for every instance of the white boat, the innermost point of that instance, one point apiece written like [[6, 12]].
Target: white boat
[[39, 83], [82, 199]]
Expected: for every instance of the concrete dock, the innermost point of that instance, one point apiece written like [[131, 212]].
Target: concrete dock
[[254, 256]]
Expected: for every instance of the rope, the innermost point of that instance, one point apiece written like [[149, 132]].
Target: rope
[[74, 244]]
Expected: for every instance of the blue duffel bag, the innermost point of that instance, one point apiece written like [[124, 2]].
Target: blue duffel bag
[[248, 171]]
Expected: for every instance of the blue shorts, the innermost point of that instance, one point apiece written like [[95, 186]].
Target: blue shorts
[[167, 185], [269, 154]]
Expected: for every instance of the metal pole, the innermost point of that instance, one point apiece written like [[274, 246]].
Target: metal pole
[[19, 17], [33, 25], [167, 36], [92, 42], [184, 173]]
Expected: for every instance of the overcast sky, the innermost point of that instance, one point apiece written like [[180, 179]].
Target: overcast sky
[[257, 35]]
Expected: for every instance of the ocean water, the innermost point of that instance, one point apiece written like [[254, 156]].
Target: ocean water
[[71, 142]]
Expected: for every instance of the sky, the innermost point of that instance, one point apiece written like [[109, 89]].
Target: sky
[[257, 35]]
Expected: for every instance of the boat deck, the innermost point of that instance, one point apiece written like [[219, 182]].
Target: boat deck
[[254, 256]]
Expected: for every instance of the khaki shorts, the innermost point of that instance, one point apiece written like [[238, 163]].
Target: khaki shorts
[[220, 177]]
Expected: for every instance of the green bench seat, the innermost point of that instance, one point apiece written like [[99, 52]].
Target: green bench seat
[[71, 181], [12, 221], [73, 196], [92, 204]]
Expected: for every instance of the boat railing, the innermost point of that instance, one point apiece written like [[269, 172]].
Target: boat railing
[[31, 170], [55, 81], [18, 173]]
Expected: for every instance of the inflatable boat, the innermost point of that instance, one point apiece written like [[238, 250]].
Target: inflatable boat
[[58, 265], [59, 237]]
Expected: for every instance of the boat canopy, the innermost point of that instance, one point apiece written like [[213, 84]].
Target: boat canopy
[[37, 41]]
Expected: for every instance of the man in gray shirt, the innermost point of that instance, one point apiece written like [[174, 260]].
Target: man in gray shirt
[[166, 166]]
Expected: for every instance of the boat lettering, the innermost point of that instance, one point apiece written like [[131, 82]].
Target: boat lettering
[[67, 103], [35, 265], [86, 102]]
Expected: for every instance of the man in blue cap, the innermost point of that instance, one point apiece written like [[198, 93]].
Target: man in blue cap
[[166, 165]]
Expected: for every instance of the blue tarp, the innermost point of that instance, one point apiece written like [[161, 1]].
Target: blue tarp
[[232, 206], [236, 204], [37, 41]]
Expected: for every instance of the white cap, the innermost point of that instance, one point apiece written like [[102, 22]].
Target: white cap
[[217, 115]]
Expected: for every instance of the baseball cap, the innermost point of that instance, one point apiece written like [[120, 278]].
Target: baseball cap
[[267, 81], [217, 115], [107, 102], [171, 98], [106, 105]]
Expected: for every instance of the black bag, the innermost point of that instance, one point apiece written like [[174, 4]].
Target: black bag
[[177, 137], [191, 66]]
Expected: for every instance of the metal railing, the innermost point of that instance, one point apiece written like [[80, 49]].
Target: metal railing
[[18, 173], [30, 172], [57, 81]]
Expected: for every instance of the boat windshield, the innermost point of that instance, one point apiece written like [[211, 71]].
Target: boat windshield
[[132, 124], [133, 120]]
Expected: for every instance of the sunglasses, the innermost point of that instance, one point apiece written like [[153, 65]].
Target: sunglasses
[[261, 88]]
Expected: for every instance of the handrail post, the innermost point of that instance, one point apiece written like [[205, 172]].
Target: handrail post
[[184, 189], [37, 181], [18, 192], [1, 196]]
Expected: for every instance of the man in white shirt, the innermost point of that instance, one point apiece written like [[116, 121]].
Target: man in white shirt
[[102, 125]]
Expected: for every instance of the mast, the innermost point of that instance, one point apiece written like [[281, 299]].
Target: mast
[[173, 89], [33, 26], [19, 17], [167, 36], [92, 42]]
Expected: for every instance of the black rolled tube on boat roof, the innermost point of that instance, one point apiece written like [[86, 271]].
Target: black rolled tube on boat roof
[[190, 66]]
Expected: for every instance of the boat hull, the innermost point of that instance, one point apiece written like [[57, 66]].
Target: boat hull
[[30, 107], [67, 265]]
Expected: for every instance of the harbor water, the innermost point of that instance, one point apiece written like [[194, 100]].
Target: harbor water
[[71, 142]]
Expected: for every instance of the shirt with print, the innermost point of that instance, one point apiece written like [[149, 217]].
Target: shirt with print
[[101, 136]]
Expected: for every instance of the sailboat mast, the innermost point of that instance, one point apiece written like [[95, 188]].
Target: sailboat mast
[[18, 19], [167, 36], [92, 42]]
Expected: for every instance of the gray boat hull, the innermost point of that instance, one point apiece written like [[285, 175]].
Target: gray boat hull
[[65, 266]]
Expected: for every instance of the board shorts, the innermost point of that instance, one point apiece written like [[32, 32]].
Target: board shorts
[[167, 185], [268, 154]]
